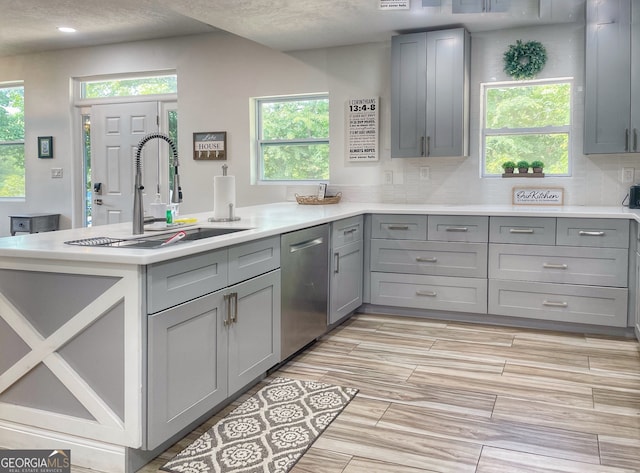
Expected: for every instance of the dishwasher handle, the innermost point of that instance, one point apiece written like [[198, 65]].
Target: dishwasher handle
[[306, 244]]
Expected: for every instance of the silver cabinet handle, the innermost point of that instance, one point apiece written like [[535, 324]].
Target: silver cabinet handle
[[427, 260], [521, 230], [555, 304], [347, 232], [398, 227], [428, 145], [626, 139], [457, 229], [586, 233], [422, 146], [337, 256], [227, 317], [554, 266], [635, 139], [426, 293], [234, 317], [306, 244]]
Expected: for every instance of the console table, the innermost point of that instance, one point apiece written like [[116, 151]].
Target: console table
[[34, 223]]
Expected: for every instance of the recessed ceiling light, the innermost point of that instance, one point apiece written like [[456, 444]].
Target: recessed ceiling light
[[66, 29]]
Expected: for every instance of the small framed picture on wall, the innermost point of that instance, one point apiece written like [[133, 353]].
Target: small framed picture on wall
[[45, 146]]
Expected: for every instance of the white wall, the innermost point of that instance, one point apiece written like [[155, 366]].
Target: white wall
[[218, 74]]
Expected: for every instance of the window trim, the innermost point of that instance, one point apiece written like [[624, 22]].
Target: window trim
[[297, 141], [17, 198], [547, 130]]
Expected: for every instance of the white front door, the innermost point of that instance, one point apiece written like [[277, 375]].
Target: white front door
[[116, 130]]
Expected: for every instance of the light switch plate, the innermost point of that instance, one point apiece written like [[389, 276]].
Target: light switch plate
[[628, 175], [56, 173]]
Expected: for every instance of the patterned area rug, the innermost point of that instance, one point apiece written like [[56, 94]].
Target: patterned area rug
[[268, 433]]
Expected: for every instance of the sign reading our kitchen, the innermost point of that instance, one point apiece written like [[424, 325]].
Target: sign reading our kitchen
[[538, 196], [394, 4], [362, 129], [210, 145]]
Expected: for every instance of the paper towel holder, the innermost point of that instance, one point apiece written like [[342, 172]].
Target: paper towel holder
[[230, 218]]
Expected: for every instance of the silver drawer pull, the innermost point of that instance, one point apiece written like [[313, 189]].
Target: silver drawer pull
[[555, 304], [398, 227], [554, 266], [427, 260], [347, 232], [426, 293], [585, 233], [521, 230], [457, 229]]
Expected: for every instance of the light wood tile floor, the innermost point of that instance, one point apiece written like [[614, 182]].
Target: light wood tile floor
[[452, 397]]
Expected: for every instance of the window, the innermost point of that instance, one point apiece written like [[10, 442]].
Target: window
[[293, 138], [12, 177], [527, 121], [129, 86]]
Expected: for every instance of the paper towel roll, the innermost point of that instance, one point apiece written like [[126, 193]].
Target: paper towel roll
[[224, 193]]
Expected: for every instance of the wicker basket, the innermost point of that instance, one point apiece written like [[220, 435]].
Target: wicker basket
[[313, 200]]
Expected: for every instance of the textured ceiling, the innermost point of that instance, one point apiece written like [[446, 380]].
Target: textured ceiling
[[30, 25]]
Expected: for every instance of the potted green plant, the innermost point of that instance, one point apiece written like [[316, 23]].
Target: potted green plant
[[508, 167], [523, 167], [537, 166]]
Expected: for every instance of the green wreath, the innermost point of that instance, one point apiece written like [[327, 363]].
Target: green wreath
[[524, 60]]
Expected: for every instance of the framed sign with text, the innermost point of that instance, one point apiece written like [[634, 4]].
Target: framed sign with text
[[210, 145], [362, 117], [537, 196]]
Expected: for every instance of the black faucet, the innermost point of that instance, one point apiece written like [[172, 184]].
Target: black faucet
[[176, 197]]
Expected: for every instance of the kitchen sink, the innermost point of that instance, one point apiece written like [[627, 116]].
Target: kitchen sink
[[157, 240]]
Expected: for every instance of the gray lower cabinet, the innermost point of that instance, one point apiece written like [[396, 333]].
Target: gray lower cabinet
[[636, 319], [429, 262], [429, 292], [205, 350], [187, 365], [346, 276], [213, 326], [559, 302], [566, 269]]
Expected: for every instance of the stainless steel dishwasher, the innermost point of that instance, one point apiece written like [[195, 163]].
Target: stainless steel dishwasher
[[305, 287]]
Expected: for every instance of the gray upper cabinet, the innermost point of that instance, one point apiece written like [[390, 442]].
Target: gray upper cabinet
[[430, 94], [480, 6], [612, 63]]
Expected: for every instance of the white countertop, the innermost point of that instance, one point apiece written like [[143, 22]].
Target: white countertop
[[262, 221]]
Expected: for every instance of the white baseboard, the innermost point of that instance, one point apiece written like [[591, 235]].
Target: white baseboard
[[85, 453]]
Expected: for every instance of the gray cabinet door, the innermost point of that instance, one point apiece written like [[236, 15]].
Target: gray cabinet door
[[608, 77], [635, 77], [447, 93], [346, 280], [636, 319], [187, 365], [254, 331], [408, 95]]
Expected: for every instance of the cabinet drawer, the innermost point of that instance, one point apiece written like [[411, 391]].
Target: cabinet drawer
[[429, 292], [600, 232], [254, 258], [559, 302], [458, 228], [399, 227], [172, 282], [346, 231], [429, 257], [573, 265], [524, 230]]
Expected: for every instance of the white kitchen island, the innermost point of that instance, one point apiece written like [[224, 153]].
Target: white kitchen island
[[74, 331]]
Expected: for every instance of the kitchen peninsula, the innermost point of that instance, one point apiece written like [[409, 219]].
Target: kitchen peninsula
[[80, 367]]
